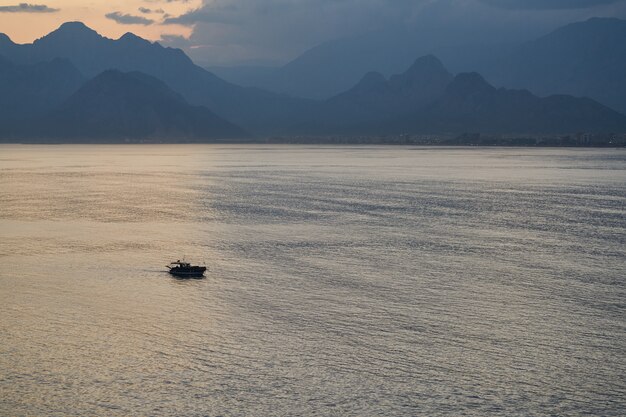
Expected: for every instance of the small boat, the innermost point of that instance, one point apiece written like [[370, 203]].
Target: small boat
[[185, 269]]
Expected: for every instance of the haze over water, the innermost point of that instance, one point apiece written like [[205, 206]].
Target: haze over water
[[341, 281]]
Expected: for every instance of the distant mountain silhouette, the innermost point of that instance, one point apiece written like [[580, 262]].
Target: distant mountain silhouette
[[424, 81], [116, 106], [29, 91], [470, 104], [583, 59], [376, 99], [140, 90], [334, 66], [427, 99], [91, 53]]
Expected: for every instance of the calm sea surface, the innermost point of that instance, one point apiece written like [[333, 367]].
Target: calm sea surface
[[349, 281]]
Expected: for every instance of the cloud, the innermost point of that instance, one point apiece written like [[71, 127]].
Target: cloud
[[547, 4], [128, 19], [333, 12], [145, 10], [27, 8], [175, 41], [270, 31], [226, 32], [228, 13]]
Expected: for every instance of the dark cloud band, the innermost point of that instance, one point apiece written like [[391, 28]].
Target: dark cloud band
[[146, 10], [27, 8], [128, 19]]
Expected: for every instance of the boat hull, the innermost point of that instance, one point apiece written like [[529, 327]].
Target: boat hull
[[196, 272]]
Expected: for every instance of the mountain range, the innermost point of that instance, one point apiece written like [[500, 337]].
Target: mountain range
[[334, 66], [52, 100], [252, 108], [115, 105], [427, 99], [375, 99], [74, 85], [582, 59], [30, 91]]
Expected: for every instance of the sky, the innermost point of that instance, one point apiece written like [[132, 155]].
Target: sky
[[26, 20], [272, 32]]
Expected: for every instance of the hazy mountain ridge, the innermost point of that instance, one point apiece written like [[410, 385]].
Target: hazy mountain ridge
[[92, 54], [116, 106], [121, 104], [376, 99], [427, 99], [470, 104], [582, 59], [334, 66], [29, 91]]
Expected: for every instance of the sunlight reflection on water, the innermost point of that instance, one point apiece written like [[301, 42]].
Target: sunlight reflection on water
[[341, 281]]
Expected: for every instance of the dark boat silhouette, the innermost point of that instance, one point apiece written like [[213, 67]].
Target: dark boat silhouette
[[185, 269]]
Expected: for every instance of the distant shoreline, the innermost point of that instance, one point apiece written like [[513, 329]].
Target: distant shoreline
[[578, 140]]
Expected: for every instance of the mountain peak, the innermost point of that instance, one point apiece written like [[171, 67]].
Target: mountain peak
[[469, 83], [74, 27], [130, 37], [71, 31], [592, 28], [427, 66], [75, 24], [425, 80], [135, 105], [430, 62]]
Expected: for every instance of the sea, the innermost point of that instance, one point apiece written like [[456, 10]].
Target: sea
[[341, 281]]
